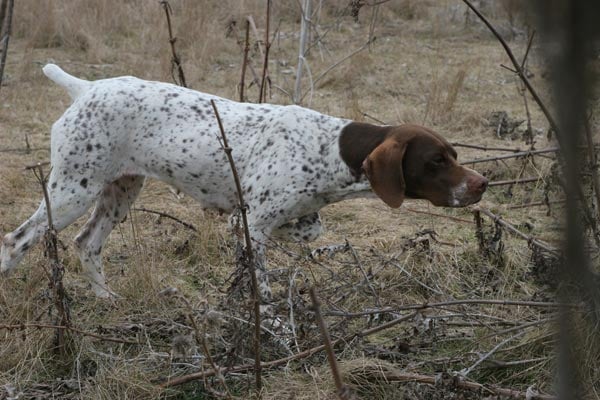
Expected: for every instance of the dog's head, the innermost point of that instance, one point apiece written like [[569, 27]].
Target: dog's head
[[410, 161]]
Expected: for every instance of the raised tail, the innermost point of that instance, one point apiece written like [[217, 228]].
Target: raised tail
[[75, 86]]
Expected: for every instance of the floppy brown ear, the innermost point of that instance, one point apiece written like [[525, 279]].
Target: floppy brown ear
[[383, 167]]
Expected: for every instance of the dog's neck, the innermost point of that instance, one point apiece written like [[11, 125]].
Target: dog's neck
[[348, 149], [357, 140]]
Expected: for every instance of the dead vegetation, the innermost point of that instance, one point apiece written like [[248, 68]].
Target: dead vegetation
[[419, 302]]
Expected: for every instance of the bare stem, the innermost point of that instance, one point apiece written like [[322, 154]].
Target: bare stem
[[175, 60], [6, 21], [245, 61], [342, 390], [249, 252], [57, 270], [262, 96]]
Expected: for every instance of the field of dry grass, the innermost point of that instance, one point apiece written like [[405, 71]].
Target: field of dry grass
[[430, 64]]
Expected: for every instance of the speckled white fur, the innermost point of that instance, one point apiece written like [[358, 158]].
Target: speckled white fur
[[120, 130]]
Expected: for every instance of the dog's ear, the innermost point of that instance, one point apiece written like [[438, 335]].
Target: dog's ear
[[383, 168]]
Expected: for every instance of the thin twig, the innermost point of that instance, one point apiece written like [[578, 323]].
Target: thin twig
[[290, 302], [485, 147], [175, 60], [245, 61], [529, 43], [305, 12], [518, 327], [262, 96], [374, 118], [410, 276], [514, 181], [5, 39], [255, 79], [535, 204], [493, 363], [257, 36], [364, 273], [201, 338], [465, 372], [322, 74], [514, 155], [444, 304], [342, 390], [162, 214], [373, 23], [517, 67], [249, 252]]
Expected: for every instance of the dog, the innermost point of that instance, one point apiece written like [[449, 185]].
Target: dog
[[292, 161]]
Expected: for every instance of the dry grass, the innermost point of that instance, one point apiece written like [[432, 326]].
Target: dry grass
[[430, 65]]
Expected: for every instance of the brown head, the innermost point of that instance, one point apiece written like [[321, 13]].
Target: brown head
[[409, 161]]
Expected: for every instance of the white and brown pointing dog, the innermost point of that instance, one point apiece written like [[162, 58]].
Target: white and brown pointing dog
[[292, 161]]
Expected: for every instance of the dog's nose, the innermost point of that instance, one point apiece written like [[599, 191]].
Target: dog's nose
[[483, 184], [478, 183]]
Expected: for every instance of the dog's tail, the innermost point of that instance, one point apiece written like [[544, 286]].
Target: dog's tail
[[75, 86]]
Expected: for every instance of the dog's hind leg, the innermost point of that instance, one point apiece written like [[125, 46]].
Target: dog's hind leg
[[69, 199], [111, 208]]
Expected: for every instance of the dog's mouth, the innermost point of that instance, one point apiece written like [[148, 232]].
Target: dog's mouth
[[466, 200], [464, 195]]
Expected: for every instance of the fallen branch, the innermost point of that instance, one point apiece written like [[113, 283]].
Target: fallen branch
[[511, 229], [282, 361], [444, 304], [519, 327], [467, 371], [162, 214], [249, 253], [398, 376], [68, 328]]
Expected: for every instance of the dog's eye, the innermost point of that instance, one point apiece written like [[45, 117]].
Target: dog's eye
[[439, 159]]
